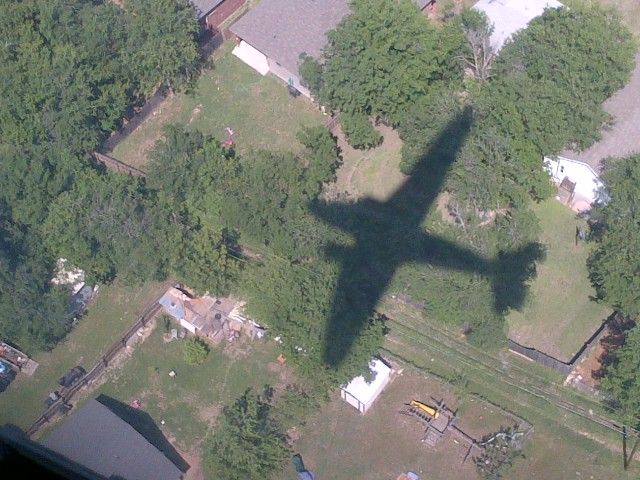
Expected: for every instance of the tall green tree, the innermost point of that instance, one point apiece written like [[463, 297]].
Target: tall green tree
[[107, 224], [162, 42], [384, 56], [615, 263], [622, 380], [246, 443], [579, 57]]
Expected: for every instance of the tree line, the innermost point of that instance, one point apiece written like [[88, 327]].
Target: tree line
[[71, 69]]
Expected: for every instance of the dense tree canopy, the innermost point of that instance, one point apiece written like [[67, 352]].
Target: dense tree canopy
[[70, 70], [383, 57], [246, 443], [543, 94], [107, 224], [615, 264], [622, 380], [161, 42]]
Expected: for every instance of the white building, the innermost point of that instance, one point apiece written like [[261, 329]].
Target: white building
[[361, 394], [588, 188], [510, 16]]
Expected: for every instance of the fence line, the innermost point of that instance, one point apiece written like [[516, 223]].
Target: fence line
[[207, 47], [554, 363], [116, 165], [532, 353], [98, 369], [332, 122]]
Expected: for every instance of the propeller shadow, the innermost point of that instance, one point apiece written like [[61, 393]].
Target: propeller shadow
[[388, 234]]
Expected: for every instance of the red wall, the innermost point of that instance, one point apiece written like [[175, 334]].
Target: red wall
[[222, 12]]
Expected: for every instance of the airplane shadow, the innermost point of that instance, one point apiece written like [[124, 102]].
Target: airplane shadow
[[388, 234]]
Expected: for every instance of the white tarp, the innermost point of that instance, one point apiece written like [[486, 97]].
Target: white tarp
[[509, 16], [361, 394], [252, 57]]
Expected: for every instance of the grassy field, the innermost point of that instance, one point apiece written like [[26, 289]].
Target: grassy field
[[339, 443], [230, 94], [190, 402], [560, 316], [368, 173], [114, 310], [562, 444]]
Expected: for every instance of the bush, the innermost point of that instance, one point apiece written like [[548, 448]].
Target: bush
[[311, 73], [246, 443], [195, 351], [358, 130]]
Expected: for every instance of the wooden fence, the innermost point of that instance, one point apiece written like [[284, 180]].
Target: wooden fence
[[332, 122], [559, 365], [66, 394], [116, 165]]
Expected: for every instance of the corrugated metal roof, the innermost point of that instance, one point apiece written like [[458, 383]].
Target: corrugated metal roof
[[173, 303]]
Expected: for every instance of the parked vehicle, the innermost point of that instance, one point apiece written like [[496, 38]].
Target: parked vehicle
[[7, 374], [72, 376]]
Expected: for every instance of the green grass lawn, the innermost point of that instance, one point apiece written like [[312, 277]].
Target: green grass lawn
[[340, 443], [114, 310], [230, 94], [559, 316], [190, 402], [369, 173], [561, 445]]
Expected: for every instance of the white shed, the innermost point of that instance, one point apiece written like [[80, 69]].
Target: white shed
[[360, 393], [589, 188]]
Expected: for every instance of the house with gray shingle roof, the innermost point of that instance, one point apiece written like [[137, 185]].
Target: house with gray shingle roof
[[274, 34], [96, 437]]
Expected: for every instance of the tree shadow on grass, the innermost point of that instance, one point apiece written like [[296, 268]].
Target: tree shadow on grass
[[389, 234]]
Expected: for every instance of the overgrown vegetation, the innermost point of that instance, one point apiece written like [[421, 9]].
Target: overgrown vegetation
[[70, 70], [195, 351], [499, 451], [246, 442], [614, 267]]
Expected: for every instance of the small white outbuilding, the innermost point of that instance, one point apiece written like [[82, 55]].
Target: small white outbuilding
[[588, 188], [361, 394]]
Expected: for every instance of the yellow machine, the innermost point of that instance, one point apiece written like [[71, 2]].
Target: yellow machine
[[424, 408]]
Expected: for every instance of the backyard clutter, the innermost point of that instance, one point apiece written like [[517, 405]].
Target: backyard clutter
[[210, 318]]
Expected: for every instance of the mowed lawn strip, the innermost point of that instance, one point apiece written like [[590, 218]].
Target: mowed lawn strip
[[190, 401], [259, 109], [113, 311], [559, 316]]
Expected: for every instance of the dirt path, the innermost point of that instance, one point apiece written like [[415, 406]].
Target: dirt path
[[623, 138]]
